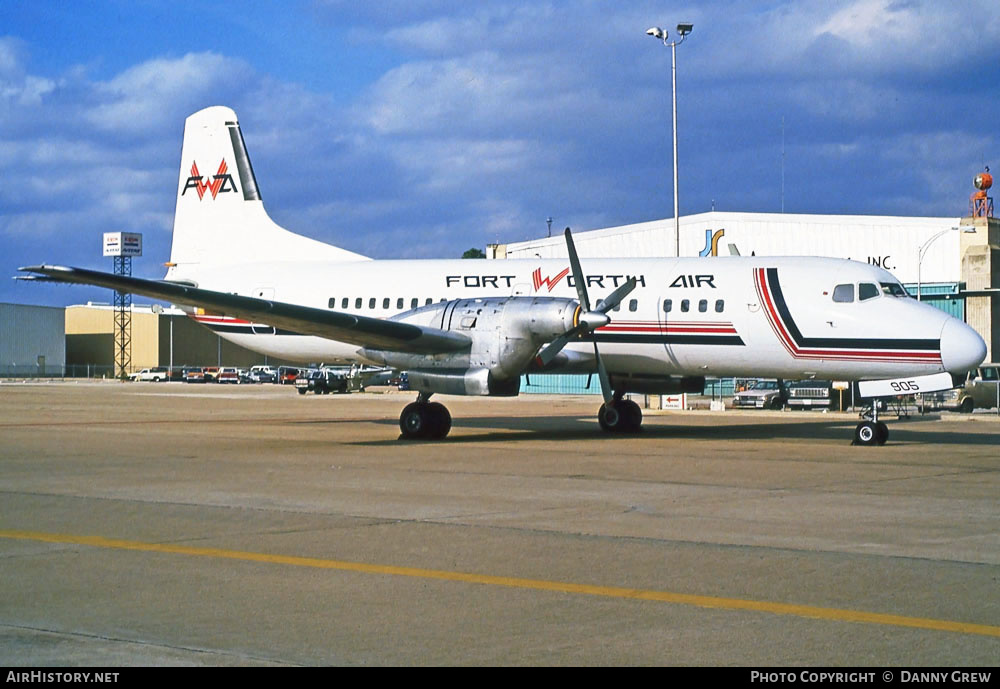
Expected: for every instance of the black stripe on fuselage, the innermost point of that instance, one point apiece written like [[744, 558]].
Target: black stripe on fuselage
[[833, 342]]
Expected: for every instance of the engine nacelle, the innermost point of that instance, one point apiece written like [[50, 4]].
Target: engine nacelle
[[474, 381], [506, 334]]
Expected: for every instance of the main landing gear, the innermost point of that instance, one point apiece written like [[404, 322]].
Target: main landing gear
[[423, 420], [871, 431], [620, 415]]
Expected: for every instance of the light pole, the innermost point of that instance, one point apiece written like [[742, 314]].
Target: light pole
[[656, 32], [922, 251]]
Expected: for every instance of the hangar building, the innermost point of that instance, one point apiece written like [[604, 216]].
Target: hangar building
[[32, 340], [953, 262]]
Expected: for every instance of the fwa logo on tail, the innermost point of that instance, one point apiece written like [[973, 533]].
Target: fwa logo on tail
[[221, 181]]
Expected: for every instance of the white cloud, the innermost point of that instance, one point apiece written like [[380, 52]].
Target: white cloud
[[152, 94]]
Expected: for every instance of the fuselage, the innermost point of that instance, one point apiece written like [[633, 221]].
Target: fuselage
[[721, 316]]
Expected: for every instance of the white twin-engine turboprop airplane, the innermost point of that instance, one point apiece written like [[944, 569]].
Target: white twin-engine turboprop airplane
[[462, 327]]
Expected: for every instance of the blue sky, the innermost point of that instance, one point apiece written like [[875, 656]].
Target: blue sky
[[418, 130]]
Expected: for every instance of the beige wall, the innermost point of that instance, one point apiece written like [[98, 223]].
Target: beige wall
[[94, 320], [90, 340]]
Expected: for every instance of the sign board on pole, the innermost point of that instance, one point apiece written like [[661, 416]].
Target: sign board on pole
[[123, 244], [673, 401]]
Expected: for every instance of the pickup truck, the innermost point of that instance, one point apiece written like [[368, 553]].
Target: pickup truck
[[321, 382], [978, 391], [158, 374]]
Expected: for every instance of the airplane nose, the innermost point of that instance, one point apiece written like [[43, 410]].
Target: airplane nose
[[962, 349]]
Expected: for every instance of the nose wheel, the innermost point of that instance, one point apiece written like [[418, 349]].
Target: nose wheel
[[423, 420], [871, 431]]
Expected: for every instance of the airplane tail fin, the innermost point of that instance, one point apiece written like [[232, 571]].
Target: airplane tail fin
[[219, 217]]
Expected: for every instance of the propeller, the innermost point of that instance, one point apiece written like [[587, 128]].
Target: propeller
[[588, 320]]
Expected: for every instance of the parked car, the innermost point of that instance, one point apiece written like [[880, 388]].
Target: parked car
[[158, 374], [194, 375], [211, 373], [764, 394], [810, 394], [321, 382], [977, 391], [228, 375], [262, 374], [288, 374]]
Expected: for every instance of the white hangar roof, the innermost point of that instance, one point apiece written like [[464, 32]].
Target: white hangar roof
[[890, 241]]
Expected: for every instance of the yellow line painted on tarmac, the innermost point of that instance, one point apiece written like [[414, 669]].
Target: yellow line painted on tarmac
[[713, 602]]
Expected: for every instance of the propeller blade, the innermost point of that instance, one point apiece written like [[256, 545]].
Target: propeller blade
[[615, 298], [574, 264], [545, 357]]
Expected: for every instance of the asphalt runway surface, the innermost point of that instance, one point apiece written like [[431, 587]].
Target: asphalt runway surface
[[173, 524]]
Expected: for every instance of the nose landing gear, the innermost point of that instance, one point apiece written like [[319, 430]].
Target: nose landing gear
[[871, 431]]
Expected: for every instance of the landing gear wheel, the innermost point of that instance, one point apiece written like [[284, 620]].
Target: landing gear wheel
[[440, 421], [621, 416], [610, 418], [867, 433], [423, 420], [633, 416], [413, 421], [881, 433]]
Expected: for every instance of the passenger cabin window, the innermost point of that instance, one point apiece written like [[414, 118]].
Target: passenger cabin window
[[668, 305], [843, 293], [867, 290], [428, 302], [720, 305], [703, 305], [371, 303], [332, 304], [385, 303], [633, 304], [685, 305], [399, 303], [344, 302], [414, 302], [357, 303]]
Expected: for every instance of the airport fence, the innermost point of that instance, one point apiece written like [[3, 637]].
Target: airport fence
[[48, 371]]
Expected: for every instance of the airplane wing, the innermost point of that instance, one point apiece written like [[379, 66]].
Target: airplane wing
[[364, 331]]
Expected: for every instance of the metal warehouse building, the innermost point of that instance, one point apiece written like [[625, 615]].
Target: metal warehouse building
[[32, 340]]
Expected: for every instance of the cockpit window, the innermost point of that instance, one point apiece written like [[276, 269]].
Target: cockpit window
[[843, 293], [867, 290], [893, 289]]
